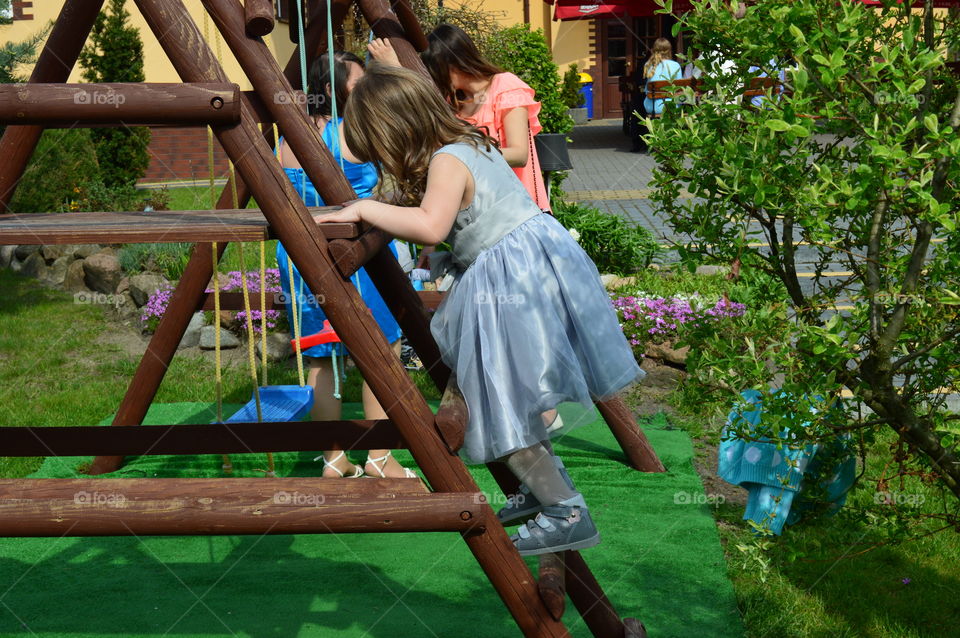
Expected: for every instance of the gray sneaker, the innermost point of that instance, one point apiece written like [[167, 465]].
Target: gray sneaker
[[557, 528]]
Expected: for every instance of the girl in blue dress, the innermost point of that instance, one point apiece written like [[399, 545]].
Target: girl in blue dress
[[527, 324], [348, 68]]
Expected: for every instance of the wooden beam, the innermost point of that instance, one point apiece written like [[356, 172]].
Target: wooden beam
[[385, 24], [551, 583], [640, 454], [588, 597], [410, 23], [210, 438], [222, 225], [124, 507], [119, 103], [349, 255], [259, 16], [451, 419]]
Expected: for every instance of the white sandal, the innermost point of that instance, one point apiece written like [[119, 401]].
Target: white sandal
[[357, 471], [408, 473]]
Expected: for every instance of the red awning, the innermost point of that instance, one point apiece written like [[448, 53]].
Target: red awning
[[574, 10]]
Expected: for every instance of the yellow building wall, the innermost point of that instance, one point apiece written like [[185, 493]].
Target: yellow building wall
[[569, 41], [156, 66]]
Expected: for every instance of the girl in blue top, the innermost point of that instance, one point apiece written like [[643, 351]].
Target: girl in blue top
[[527, 324], [660, 67], [348, 68]]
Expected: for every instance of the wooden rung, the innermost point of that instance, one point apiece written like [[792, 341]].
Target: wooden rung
[[210, 438], [123, 507], [225, 225], [132, 103], [451, 418], [234, 300], [349, 255], [552, 585], [431, 298]]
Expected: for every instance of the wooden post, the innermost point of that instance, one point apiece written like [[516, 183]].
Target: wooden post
[[259, 17], [410, 24], [551, 583], [451, 420], [640, 453], [589, 599], [404, 404], [56, 61], [385, 24]]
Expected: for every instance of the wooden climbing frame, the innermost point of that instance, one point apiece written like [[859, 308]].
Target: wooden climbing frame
[[325, 256]]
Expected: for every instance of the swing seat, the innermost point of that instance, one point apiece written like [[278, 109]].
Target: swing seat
[[277, 403], [326, 335]]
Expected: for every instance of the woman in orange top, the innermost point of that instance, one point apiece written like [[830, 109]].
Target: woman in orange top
[[495, 101]]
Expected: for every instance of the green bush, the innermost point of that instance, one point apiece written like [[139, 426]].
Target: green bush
[[115, 54], [168, 259], [525, 53], [570, 88], [61, 171], [614, 244]]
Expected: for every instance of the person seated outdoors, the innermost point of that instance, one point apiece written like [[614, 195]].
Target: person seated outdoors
[[660, 67]]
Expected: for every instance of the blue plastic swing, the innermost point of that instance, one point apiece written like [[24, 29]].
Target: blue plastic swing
[[277, 403]]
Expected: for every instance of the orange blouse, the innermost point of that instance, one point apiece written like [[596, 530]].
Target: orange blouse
[[505, 93]]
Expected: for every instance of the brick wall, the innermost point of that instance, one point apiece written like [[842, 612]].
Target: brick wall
[[181, 154]]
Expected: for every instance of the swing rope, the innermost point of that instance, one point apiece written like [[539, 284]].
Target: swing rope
[[215, 267]]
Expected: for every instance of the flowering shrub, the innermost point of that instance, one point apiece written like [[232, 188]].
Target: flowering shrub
[[234, 283], [157, 303], [153, 310], [647, 319]]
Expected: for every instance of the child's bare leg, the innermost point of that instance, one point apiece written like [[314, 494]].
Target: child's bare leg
[[387, 467], [326, 407]]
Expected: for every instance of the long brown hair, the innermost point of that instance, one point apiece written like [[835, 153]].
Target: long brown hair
[[662, 50], [451, 47], [396, 119], [319, 76]]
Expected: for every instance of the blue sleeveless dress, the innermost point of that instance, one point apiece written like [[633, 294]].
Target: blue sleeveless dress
[[363, 178], [527, 325]]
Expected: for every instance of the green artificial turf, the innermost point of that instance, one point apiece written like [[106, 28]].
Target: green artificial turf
[[660, 561]]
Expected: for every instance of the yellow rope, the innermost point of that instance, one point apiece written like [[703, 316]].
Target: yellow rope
[[296, 322], [263, 310], [293, 292]]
